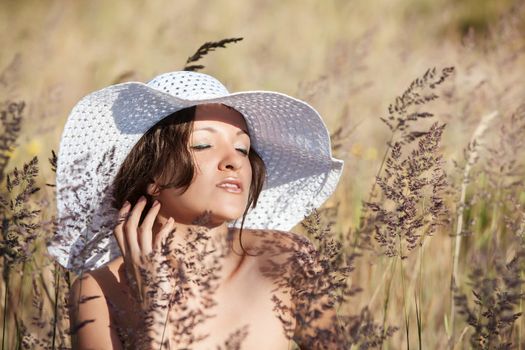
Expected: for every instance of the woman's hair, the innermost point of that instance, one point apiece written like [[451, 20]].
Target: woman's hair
[[163, 154]]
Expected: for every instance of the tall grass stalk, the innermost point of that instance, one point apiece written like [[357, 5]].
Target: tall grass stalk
[[473, 146], [20, 307], [381, 283], [417, 297], [521, 237], [405, 312], [387, 297], [165, 326], [42, 278], [457, 346], [418, 320], [520, 329], [18, 337], [55, 311], [403, 288], [6, 294]]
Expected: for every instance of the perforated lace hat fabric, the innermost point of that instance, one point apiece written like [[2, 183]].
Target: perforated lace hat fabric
[[103, 127]]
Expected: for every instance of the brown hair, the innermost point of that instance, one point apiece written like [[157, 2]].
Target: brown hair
[[162, 153]]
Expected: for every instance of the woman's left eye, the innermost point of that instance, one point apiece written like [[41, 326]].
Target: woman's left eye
[[243, 151]]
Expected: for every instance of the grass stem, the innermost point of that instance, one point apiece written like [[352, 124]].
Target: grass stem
[[403, 288], [387, 297], [474, 148], [6, 296], [521, 322], [55, 312], [417, 298], [418, 320]]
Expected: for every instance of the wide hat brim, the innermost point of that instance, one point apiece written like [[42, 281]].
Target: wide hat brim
[[103, 127]]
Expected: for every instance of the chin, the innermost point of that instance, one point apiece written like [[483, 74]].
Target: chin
[[229, 210], [227, 213], [228, 216], [217, 217]]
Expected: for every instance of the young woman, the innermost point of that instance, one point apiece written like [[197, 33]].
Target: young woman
[[175, 200]]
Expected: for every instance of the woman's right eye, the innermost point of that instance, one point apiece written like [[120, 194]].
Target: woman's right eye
[[201, 146]]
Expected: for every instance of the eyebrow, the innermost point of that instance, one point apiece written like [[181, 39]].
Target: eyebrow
[[210, 129]]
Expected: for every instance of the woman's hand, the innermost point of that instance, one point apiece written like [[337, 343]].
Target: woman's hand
[[149, 268]]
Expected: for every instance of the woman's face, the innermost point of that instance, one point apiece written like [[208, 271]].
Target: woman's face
[[220, 187]]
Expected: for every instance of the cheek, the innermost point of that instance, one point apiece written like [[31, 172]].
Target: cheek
[[203, 181], [248, 168], [203, 163], [204, 169]]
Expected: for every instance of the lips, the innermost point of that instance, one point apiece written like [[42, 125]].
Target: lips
[[231, 185]]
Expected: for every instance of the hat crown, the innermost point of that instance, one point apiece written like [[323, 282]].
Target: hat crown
[[189, 85]]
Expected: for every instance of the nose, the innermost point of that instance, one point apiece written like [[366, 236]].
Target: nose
[[231, 161]]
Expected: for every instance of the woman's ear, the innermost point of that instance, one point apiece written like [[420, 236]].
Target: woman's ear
[[153, 189]]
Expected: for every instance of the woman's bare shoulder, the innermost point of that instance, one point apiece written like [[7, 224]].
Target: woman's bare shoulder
[[90, 316], [85, 285], [100, 282]]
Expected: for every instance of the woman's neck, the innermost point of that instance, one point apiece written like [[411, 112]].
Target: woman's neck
[[211, 247]]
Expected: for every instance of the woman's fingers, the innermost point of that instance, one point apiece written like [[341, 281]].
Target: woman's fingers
[[136, 242], [163, 234], [140, 251], [131, 231], [118, 232], [146, 229]]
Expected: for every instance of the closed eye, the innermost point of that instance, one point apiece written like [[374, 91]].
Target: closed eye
[[201, 147], [243, 151]]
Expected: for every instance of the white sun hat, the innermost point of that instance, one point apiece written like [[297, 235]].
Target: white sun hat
[[103, 127]]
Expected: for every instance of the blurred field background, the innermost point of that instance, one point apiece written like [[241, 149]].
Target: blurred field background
[[350, 60]]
